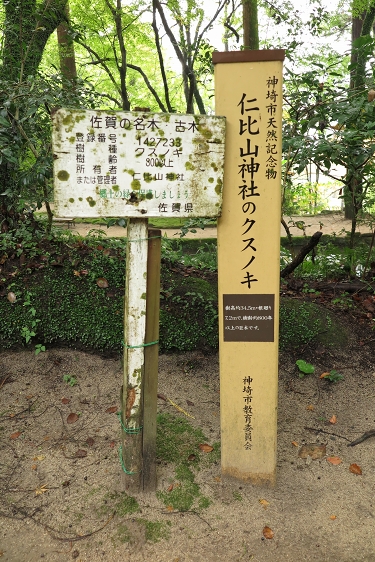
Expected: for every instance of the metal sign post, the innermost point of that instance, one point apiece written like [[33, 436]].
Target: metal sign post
[[138, 165]]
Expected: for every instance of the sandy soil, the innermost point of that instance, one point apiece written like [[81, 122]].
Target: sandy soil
[[53, 494], [328, 224]]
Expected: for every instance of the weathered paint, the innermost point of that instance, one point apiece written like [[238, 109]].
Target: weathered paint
[[135, 311], [179, 161]]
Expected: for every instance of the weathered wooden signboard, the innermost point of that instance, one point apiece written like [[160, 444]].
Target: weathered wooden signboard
[[138, 165], [248, 91], [125, 164]]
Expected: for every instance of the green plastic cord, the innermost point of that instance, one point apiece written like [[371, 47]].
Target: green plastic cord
[[129, 472], [129, 430]]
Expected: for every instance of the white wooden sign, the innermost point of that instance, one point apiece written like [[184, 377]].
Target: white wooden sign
[[134, 164]]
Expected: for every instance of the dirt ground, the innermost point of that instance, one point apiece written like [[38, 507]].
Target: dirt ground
[[58, 479]]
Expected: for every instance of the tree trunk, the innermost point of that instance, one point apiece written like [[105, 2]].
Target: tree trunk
[[353, 192], [250, 24], [66, 50]]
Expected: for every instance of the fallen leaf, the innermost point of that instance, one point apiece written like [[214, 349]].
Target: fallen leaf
[[294, 443], [90, 441], [192, 457], [39, 458], [268, 533], [368, 305], [11, 297], [310, 408], [130, 399], [264, 503], [41, 490], [72, 418], [170, 508], [29, 396], [170, 488], [162, 397], [112, 444], [333, 517], [111, 410], [206, 448], [16, 435], [312, 450], [189, 403], [65, 400], [46, 438], [217, 479], [333, 419], [80, 454], [355, 469], [334, 460], [76, 273], [102, 283], [323, 375], [33, 467]]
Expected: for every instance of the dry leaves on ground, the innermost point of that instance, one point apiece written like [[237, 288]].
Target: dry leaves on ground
[[268, 533]]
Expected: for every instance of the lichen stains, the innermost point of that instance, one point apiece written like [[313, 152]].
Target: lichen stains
[[149, 195], [211, 180], [219, 186], [91, 201], [143, 296], [115, 188], [214, 167], [206, 133], [71, 200], [68, 119], [135, 185], [189, 166], [63, 175], [80, 199]]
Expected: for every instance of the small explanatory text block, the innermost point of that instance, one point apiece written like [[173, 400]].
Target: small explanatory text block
[[249, 318]]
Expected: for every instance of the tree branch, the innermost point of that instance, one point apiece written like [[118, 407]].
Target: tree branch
[[161, 59], [148, 84], [301, 254]]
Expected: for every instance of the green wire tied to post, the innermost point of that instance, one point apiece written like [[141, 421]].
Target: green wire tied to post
[[129, 472], [142, 344], [129, 430]]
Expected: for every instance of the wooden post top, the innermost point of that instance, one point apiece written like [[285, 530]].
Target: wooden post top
[[248, 56]]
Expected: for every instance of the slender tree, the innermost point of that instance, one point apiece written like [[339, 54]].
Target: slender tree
[[250, 24]]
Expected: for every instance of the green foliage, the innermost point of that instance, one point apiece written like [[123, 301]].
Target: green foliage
[[70, 380], [156, 531], [334, 376], [120, 503], [304, 368], [307, 323], [176, 441], [302, 199], [32, 322], [203, 256], [332, 261]]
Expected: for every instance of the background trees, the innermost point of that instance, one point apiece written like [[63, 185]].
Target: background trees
[[158, 55]]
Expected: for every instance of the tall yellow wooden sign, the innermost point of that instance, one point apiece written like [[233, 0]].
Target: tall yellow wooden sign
[[248, 92]]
